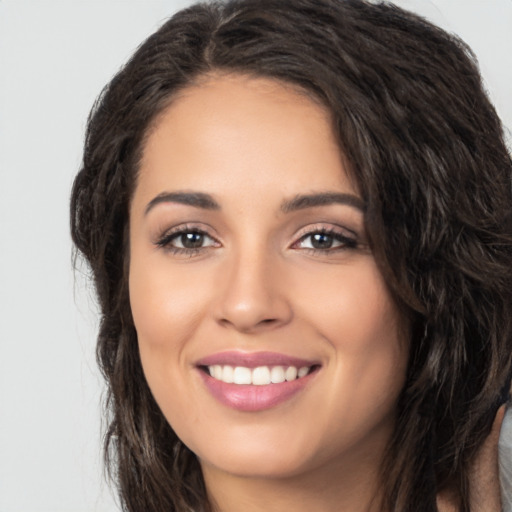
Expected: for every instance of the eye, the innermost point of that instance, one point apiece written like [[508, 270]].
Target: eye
[[191, 240], [186, 240], [326, 240]]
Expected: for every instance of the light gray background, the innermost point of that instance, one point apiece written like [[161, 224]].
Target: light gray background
[[55, 56]]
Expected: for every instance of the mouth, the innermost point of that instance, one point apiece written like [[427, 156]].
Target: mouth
[[255, 382]]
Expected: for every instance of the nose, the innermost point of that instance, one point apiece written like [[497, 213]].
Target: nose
[[254, 296]]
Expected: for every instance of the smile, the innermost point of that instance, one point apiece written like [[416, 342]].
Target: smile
[[253, 382]]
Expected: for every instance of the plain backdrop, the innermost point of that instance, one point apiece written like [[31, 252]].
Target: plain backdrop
[[55, 56]]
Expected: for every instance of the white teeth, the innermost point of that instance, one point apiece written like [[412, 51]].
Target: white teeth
[[227, 374], [259, 376], [242, 375], [216, 371], [290, 373], [277, 375], [303, 371]]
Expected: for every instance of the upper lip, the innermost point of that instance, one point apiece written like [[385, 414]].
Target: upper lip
[[253, 359]]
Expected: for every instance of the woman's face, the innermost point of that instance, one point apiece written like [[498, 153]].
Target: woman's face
[[249, 262]]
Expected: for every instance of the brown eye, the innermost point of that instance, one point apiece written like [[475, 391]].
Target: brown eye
[[186, 240], [322, 241], [192, 240], [326, 241]]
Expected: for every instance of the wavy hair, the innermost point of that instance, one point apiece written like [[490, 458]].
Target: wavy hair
[[426, 149]]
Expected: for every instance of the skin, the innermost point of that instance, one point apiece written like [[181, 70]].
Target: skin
[[484, 478], [484, 483], [257, 284]]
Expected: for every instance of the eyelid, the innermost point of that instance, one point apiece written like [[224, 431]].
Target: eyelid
[[326, 228]]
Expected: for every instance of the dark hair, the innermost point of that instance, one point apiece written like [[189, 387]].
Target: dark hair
[[426, 149]]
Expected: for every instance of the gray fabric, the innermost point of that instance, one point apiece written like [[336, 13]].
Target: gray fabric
[[505, 445]]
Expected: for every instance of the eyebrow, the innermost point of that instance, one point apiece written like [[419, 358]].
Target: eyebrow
[[299, 202], [196, 199]]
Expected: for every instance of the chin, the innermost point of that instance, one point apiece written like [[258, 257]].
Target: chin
[[259, 465]]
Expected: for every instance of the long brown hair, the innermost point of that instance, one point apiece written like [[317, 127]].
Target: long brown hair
[[426, 149]]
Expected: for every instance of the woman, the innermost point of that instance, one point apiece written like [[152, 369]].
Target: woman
[[298, 219]]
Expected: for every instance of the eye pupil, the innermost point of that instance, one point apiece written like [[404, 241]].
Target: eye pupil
[[321, 241], [192, 240]]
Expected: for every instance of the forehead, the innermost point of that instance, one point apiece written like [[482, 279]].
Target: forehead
[[234, 133]]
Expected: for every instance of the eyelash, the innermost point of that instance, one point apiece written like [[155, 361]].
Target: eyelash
[[166, 240]]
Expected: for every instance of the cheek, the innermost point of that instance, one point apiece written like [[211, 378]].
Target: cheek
[[165, 312], [165, 305], [354, 313], [166, 309], [352, 305]]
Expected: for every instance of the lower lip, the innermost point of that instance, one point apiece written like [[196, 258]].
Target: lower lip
[[250, 398]]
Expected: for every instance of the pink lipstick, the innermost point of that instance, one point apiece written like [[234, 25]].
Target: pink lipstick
[[255, 381]]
